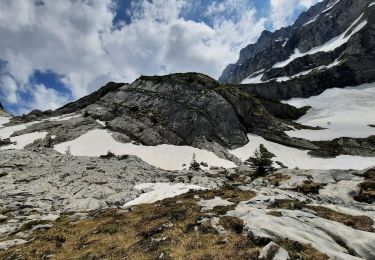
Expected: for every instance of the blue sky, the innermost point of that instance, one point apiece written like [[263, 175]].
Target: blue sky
[[53, 52]]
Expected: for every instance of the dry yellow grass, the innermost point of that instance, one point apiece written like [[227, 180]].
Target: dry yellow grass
[[168, 229]]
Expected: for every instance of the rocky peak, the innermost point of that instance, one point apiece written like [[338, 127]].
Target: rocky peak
[[334, 38]]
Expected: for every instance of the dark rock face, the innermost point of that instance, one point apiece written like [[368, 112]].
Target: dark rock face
[[346, 145], [355, 59], [183, 109], [179, 109]]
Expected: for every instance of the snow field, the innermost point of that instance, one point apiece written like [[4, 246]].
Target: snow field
[[293, 157], [345, 112], [160, 191], [169, 157]]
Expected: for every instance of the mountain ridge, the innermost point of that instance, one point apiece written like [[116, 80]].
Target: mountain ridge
[[337, 43]]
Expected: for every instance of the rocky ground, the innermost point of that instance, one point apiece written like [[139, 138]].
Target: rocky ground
[[61, 206]]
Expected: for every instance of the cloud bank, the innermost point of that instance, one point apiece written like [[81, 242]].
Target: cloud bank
[[80, 43]]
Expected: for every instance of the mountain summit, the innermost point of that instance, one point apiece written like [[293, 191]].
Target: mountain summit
[[330, 45]]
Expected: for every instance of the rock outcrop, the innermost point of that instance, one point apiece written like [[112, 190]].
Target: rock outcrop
[[179, 109], [330, 45], [2, 111]]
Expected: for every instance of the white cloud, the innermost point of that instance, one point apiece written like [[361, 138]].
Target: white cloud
[[10, 87], [282, 11], [77, 40]]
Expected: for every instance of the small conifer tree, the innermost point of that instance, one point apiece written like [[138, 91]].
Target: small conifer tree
[[261, 162], [194, 165]]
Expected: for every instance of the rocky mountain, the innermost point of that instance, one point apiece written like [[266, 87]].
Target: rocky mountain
[[160, 169], [179, 109], [330, 45]]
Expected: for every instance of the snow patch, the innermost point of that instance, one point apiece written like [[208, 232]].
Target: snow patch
[[286, 78], [303, 226], [330, 6], [328, 46], [7, 244], [160, 191], [100, 122], [371, 4], [254, 78], [345, 112], [4, 120], [169, 157], [22, 140], [210, 204], [310, 21], [293, 157]]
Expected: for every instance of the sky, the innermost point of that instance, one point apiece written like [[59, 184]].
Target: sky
[[53, 52]]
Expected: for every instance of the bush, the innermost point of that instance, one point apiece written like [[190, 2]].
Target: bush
[[261, 162]]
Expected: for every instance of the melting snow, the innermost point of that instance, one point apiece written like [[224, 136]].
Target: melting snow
[[282, 79], [293, 157], [254, 78], [22, 140], [330, 6], [160, 191], [303, 226], [311, 21], [345, 112], [328, 46], [4, 120], [210, 204], [169, 157]]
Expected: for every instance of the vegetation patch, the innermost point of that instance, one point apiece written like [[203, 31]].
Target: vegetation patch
[[229, 193], [172, 228], [287, 204], [277, 178], [298, 250], [358, 222], [367, 188]]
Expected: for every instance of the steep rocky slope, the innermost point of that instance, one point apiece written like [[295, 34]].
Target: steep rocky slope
[[179, 109], [330, 45]]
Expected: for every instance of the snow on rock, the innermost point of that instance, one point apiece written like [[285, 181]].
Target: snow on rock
[[3, 120], [371, 4], [281, 253], [256, 77], [160, 191], [63, 117], [100, 122], [293, 157], [22, 140], [7, 244], [6, 132], [344, 112], [169, 157], [286, 78], [328, 46], [330, 6], [302, 225], [311, 20], [210, 204]]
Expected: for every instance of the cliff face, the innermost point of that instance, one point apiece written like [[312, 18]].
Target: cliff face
[[180, 109], [330, 45]]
